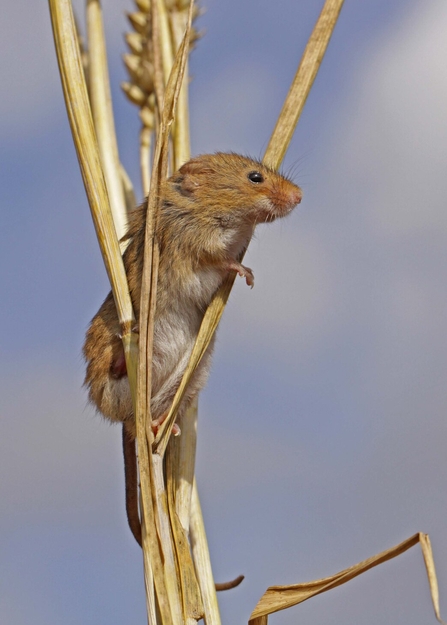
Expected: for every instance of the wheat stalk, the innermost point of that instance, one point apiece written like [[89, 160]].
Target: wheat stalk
[[157, 68], [168, 567], [148, 68], [84, 137], [183, 595], [160, 558], [275, 152], [101, 106]]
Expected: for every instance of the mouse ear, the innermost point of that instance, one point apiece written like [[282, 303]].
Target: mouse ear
[[196, 167], [190, 176], [186, 185]]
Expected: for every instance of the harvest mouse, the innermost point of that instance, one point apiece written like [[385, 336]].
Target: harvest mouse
[[208, 211]]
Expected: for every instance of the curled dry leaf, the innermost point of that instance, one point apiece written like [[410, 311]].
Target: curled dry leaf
[[278, 598]]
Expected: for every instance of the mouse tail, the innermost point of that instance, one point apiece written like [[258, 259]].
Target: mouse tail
[[131, 482], [132, 510]]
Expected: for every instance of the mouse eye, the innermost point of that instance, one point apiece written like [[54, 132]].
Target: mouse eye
[[255, 176]]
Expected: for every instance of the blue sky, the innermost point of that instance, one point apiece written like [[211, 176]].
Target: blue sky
[[322, 429]]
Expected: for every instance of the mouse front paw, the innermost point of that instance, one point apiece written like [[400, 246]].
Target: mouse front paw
[[244, 272], [155, 425]]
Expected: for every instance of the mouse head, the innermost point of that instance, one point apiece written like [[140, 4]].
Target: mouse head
[[235, 187]]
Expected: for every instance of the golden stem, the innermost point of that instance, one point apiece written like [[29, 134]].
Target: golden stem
[[145, 161], [202, 562], [84, 137], [275, 151], [182, 150], [302, 83], [101, 103], [150, 468]]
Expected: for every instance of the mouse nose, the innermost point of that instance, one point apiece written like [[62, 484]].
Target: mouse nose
[[296, 196]]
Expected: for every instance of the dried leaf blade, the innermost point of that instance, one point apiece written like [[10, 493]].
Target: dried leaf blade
[[302, 83], [276, 149], [278, 598]]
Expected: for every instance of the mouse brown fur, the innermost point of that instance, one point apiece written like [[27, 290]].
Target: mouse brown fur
[[208, 211], [207, 216]]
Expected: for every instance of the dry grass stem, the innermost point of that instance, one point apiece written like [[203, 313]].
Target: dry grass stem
[[164, 531], [182, 152], [151, 605], [429, 562], [179, 582], [82, 50], [181, 139], [128, 190], [191, 598], [158, 70], [209, 325], [84, 137], [281, 597], [202, 561], [101, 103], [302, 83], [278, 145], [159, 171], [159, 30], [180, 464], [152, 555], [153, 550], [85, 141], [166, 48], [145, 158], [152, 488]]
